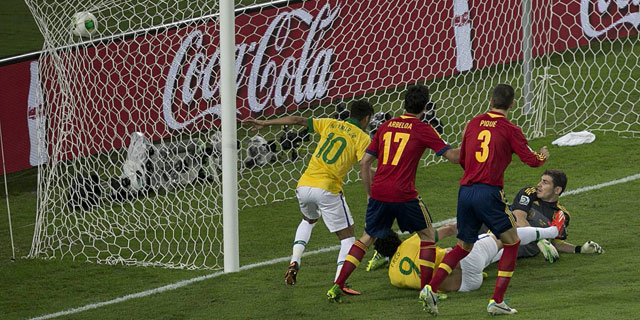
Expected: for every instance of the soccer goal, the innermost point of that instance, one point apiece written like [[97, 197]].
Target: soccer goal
[[132, 100]]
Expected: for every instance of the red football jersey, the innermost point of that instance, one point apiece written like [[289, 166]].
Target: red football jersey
[[488, 143], [399, 144]]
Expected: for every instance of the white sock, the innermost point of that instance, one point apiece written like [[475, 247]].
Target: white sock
[[531, 234], [547, 233], [345, 246], [300, 242]]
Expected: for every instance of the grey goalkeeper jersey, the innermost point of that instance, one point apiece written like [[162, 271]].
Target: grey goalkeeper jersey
[[539, 214]]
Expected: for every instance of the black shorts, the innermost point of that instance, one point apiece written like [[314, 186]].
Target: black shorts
[[412, 216], [481, 203]]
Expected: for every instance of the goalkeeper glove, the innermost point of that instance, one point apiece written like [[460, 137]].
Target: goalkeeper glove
[[548, 250], [590, 247]]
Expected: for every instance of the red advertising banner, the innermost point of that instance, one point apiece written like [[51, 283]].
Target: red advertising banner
[[166, 83], [14, 93]]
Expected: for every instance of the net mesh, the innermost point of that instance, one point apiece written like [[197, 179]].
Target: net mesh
[[131, 113]]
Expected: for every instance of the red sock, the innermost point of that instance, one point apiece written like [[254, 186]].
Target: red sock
[[427, 258], [505, 270], [356, 253], [447, 265]]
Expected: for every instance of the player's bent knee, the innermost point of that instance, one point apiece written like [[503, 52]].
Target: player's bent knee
[[509, 237], [367, 240], [310, 221], [427, 234], [467, 246], [345, 233]]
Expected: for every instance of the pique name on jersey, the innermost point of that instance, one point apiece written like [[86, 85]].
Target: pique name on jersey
[[400, 125], [486, 123]]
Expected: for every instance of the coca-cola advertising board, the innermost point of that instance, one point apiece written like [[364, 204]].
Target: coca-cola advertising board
[[287, 57]]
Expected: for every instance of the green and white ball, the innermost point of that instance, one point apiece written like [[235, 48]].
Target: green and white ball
[[84, 24]]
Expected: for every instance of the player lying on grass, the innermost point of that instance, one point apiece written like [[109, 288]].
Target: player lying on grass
[[535, 206], [468, 275]]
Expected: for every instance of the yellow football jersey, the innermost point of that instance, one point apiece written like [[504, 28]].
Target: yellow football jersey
[[342, 143], [404, 271]]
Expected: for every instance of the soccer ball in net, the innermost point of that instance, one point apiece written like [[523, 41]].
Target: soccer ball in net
[[84, 24]]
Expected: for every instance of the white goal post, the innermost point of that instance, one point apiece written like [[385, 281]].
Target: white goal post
[[229, 147], [142, 171]]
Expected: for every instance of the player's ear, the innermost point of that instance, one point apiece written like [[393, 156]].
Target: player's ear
[[365, 121], [557, 190]]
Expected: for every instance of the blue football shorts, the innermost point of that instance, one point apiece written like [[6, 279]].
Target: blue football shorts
[[481, 203], [412, 216]]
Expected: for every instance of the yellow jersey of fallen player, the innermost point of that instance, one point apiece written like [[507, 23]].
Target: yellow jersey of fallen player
[[404, 270], [342, 143]]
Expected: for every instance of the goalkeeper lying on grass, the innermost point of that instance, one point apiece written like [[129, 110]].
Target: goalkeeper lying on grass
[[468, 275], [536, 207]]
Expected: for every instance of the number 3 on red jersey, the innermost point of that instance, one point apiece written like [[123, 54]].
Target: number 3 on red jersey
[[400, 137], [485, 137]]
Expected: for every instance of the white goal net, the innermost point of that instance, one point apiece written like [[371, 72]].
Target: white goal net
[[131, 118]]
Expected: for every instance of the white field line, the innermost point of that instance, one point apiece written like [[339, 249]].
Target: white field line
[[187, 282], [602, 185]]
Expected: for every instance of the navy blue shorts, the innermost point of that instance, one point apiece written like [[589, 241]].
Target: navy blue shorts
[[412, 216], [482, 203]]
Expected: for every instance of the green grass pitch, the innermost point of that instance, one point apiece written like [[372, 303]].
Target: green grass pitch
[[576, 287]]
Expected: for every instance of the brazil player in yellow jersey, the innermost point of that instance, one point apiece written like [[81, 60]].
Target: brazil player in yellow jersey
[[468, 275], [319, 190]]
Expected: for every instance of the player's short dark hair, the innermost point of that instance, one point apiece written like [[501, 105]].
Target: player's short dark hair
[[558, 177], [388, 245], [416, 98], [502, 96], [360, 109]]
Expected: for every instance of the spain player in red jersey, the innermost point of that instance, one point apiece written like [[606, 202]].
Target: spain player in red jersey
[[398, 146], [488, 142]]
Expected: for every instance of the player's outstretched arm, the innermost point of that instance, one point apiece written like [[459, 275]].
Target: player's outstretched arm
[[520, 146], [587, 247], [453, 155], [447, 230], [564, 247], [288, 120]]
